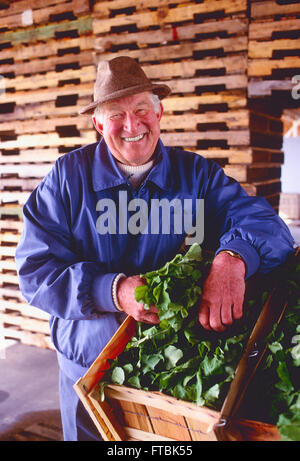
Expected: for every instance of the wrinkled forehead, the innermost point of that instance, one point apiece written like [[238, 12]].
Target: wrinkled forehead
[[128, 101]]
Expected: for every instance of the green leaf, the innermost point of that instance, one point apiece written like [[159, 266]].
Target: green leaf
[[212, 394], [172, 354], [151, 361], [198, 397], [275, 347], [135, 381], [211, 365], [285, 383], [141, 294], [118, 376]]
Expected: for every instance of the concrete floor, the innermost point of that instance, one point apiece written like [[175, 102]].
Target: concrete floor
[[29, 397]]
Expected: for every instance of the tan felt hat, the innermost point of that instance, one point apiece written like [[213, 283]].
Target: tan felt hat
[[119, 77]]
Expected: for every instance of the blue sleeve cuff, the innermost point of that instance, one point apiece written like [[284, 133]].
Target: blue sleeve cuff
[[102, 292], [246, 251]]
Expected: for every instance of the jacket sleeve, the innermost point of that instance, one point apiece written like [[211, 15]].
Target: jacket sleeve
[[51, 276], [244, 224]]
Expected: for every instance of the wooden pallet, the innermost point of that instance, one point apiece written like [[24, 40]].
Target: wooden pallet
[[274, 44]]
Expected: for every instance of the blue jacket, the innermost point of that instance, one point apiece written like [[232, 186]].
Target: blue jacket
[[66, 267]]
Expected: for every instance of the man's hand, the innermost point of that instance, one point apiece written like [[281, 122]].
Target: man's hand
[[128, 304], [223, 293]]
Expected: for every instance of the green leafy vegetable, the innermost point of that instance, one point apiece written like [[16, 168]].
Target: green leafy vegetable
[[178, 357]]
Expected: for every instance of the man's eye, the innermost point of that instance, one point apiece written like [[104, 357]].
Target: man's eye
[[142, 111], [115, 116]]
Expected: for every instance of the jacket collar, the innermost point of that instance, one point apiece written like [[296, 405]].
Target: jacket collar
[[106, 174]]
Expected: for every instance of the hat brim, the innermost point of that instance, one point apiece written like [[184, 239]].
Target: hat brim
[[161, 90]]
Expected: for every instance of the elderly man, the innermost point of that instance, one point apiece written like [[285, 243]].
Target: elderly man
[[79, 261]]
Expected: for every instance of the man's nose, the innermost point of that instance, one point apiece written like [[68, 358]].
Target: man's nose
[[131, 122]]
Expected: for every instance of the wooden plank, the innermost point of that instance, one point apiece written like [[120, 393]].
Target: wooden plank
[[21, 5], [51, 47], [271, 8], [256, 431], [253, 172], [265, 49], [139, 435], [233, 101], [26, 171], [266, 87], [166, 34], [265, 30], [185, 50], [235, 138], [13, 196], [34, 126], [24, 309], [43, 15], [34, 66], [47, 94], [233, 119], [44, 109], [83, 25], [105, 8], [198, 431], [107, 415], [51, 79], [169, 425], [166, 16], [264, 67], [30, 155], [164, 402], [189, 85], [25, 323], [188, 68], [29, 338], [19, 183], [136, 416], [50, 139]]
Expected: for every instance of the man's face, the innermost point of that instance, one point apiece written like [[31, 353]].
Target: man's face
[[130, 128]]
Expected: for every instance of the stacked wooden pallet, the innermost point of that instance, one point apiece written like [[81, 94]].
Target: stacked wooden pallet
[[200, 49], [47, 73], [274, 45]]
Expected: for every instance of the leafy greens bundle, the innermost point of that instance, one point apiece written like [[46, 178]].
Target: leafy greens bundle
[[178, 357]]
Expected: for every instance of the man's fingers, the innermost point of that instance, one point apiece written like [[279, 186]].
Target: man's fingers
[[204, 316], [238, 309], [226, 314]]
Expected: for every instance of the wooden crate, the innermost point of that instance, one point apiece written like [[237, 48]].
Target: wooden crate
[[131, 414]]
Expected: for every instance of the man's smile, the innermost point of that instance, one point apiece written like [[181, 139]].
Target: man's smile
[[136, 138]]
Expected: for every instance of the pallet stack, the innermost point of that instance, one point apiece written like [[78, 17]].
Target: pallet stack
[[47, 73], [200, 49], [274, 45]]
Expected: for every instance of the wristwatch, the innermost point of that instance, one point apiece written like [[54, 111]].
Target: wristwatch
[[232, 253]]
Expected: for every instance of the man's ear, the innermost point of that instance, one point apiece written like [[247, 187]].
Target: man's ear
[[160, 113], [97, 125]]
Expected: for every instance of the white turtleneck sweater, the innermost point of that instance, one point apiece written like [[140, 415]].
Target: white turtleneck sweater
[[135, 174]]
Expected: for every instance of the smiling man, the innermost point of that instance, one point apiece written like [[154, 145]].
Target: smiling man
[[85, 277]]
